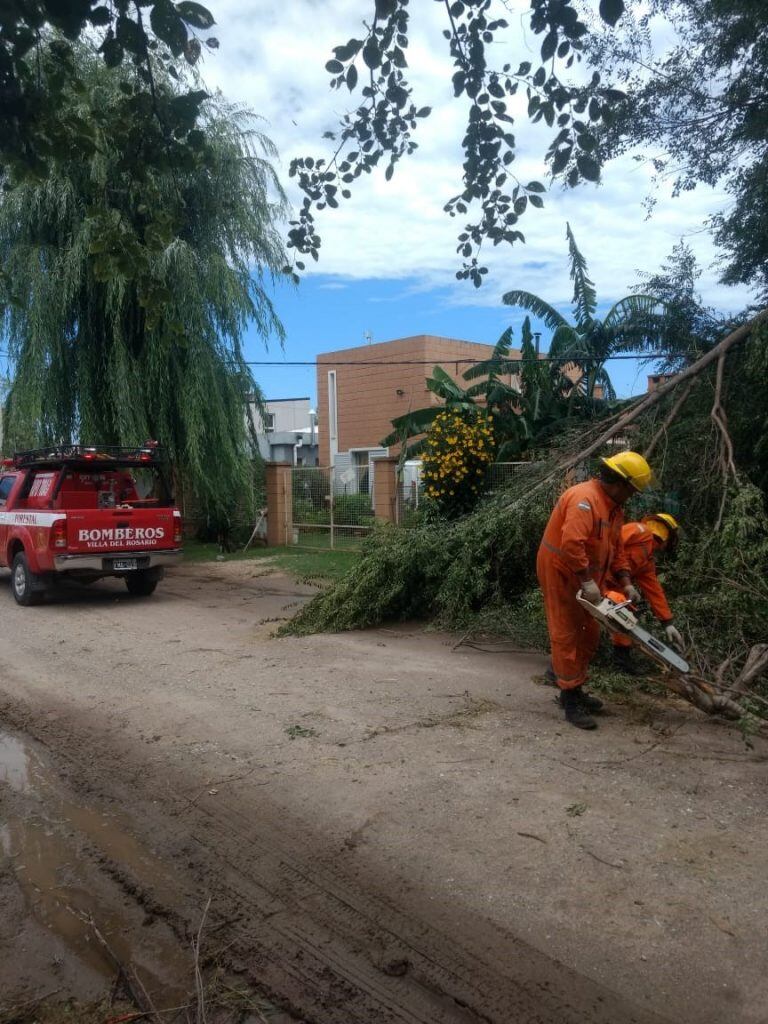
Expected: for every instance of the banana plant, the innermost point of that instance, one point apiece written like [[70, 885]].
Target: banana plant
[[532, 399], [635, 323]]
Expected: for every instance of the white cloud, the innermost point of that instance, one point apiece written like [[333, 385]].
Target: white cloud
[[272, 59]]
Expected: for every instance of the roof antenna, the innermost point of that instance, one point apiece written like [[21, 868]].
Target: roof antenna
[[368, 337]]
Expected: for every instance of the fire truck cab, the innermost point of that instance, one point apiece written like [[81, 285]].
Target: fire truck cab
[[84, 513]]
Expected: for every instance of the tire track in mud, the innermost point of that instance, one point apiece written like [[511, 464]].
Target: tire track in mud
[[406, 969], [331, 941]]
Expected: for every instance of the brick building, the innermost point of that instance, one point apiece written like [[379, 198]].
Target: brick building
[[361, 390], [655, 380]]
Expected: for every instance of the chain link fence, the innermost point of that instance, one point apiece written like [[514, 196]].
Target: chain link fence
[[331, 507]]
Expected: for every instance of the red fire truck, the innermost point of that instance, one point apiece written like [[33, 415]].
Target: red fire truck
[[83, 513]]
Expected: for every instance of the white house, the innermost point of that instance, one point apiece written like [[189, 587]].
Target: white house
[[288, 433]]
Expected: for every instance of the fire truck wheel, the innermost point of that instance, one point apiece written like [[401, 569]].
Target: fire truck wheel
[[141, 583], [24, 583]]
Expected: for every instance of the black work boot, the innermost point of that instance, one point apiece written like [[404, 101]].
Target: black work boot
[[572, 702], [624, 662], [588, 702]]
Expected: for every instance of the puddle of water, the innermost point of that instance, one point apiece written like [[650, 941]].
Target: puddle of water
[[43, 839], [13, 763]]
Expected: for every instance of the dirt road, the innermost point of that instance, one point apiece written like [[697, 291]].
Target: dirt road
[[387, 829]]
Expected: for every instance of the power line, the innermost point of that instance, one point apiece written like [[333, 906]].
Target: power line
[[434, 362]]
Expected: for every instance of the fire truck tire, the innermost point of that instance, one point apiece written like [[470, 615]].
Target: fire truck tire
[[25, 584], [142, 583]]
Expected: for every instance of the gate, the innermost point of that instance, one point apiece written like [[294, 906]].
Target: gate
[[332, 507]]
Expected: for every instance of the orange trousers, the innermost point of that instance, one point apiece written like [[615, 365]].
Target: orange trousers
[[573, 634]]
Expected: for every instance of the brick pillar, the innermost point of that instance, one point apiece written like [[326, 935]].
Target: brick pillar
[[385, 489], [279, 504]]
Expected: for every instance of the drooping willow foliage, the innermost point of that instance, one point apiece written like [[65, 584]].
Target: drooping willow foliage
[[128, 288]]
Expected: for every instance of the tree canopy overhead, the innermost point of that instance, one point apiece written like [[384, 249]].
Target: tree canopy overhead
[[381, 127], [153, 37], [700, 106], [129, 286]]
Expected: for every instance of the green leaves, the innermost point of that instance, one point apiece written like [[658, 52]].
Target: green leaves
[[588, 167], [549, 46], [380, 131], [535, 305], [168, 26], [611, 10], [159, 273], [112, 51], [372, 54], [195, 15]]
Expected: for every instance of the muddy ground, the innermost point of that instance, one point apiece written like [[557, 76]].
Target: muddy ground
[[387, 829]]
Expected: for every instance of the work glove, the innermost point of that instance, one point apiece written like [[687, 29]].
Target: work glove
[[674, 637], [591, 592], [633, 594]]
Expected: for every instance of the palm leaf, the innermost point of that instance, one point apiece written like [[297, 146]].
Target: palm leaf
[[411, 424], [503, 345], [414, 450], [541, 309], [584, 294], [632, 308], [445, 387], [566, 345]]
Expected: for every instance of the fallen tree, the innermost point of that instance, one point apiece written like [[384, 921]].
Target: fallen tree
[[478, 573]]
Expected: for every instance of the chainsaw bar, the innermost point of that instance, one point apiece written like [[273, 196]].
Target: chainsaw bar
[[617, 618]]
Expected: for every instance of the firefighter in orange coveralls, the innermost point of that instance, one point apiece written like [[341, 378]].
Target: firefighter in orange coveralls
[[580, 548], [654, 534]]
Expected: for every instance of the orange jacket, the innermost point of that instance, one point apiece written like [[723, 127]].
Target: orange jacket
[[638, 547], [583, 534]]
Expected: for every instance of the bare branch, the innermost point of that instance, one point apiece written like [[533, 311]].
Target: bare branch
[[669, 420], [754, 666]]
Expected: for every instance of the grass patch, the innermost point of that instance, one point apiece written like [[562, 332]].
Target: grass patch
[[294, 732], [301, 563]]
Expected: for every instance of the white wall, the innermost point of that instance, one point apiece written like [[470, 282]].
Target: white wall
[[291, 414]]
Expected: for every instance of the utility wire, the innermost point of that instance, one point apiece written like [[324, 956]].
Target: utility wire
[[434, 362]]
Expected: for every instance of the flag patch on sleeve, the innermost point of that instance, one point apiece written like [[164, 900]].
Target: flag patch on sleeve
[[585, 506]]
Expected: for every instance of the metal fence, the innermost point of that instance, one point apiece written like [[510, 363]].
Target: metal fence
[[410, 488], [499, 474], [409, 493], [332, 507]]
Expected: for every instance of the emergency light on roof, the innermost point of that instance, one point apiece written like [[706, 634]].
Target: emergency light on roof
[[72, 454]]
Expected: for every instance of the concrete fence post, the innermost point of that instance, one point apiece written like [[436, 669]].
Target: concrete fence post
[[279, 504], [385, 486]]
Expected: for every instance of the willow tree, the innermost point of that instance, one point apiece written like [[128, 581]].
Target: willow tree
[[130, 281]]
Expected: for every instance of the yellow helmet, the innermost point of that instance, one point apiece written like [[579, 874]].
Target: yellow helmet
[[632, 467], [661, 525]]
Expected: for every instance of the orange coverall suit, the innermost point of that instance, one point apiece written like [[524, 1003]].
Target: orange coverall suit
[[582, 541], [638, 548]]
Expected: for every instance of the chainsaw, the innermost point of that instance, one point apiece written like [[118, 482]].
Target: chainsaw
[[614, 613]]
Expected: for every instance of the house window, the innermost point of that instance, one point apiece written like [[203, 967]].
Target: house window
[[360, 461], [270, 421]]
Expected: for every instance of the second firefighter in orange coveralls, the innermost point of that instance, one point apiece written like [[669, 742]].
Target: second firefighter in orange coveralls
[[582, 545], [642, 541]]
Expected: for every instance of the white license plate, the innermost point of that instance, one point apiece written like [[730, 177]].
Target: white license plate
[[124, 563]]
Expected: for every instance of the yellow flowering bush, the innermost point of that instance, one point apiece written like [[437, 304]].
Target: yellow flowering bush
[[457, 452]]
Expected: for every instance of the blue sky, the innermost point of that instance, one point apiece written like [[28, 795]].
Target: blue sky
[[326, 312], [388, 261]]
